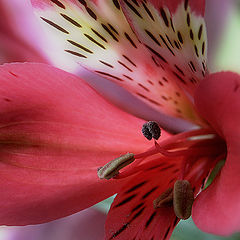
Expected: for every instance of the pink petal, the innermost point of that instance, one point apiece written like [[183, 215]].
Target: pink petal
[[174, 32], [97, 35], [75, 227], [196, 6], [15, 50], [217, 209], [133, 216], [55, 131], [18, 42]]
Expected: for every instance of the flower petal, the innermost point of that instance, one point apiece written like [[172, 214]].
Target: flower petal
[[17, 40], [175, 33], [97, 35], [71, 227], [132, 214], [217, 209], [55, 131]]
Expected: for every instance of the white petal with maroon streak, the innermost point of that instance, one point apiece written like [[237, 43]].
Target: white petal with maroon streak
[[178, 39], [97, 35]]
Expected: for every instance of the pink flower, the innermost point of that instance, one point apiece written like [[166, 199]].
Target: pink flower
[[56, 130]]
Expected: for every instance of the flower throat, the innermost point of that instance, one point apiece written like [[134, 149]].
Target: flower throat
[[196, 152]]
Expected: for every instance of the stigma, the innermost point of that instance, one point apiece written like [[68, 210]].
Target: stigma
[[151, 130]]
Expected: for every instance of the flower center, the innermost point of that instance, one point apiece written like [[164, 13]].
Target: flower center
[[195, 153]]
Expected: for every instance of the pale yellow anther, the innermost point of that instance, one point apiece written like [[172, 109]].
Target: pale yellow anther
[[165, 199], [112, 168], [183, 198]]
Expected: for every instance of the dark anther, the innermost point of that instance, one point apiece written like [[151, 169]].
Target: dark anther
[[151, 130]]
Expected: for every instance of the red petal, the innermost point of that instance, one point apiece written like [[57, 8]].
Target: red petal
[[217, 209], [132, 215], [97, 35], [174, 32], [55, 131], [172, 5]]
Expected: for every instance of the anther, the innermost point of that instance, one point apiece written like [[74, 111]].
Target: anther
[[112, 168], [151, 130], [183, 198], [164, 200]]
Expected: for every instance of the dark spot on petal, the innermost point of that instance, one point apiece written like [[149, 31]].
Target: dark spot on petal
[[116, 3], [83, 2], [157, 54], [203, 48], [124, 65], [191, 34], [165, 236], [107, 64], [137, 207], [15, 75], [186, 5], [148, 11], [180, 37], [188, 19], [58, 3], [80, 46], [55, 25], [179, 69], [130, 40], [180, 78], [71, 20], [91, 13], [99, 35], [136, 187], [126, 200], [236, 87], [137, 214], [127, 58], [109, 32], [200, 32], [149, 192], [134, 10], [75, 53], [152, 37], [109, 75], [164, 17], [119, 231], [94, 41], [196, 50], [150, 219]]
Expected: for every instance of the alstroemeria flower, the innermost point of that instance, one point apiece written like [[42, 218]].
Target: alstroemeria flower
[[56, 131]]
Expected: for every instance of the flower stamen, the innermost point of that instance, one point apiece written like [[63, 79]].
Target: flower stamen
[[112, 168], [183, 198], [164, 200]]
